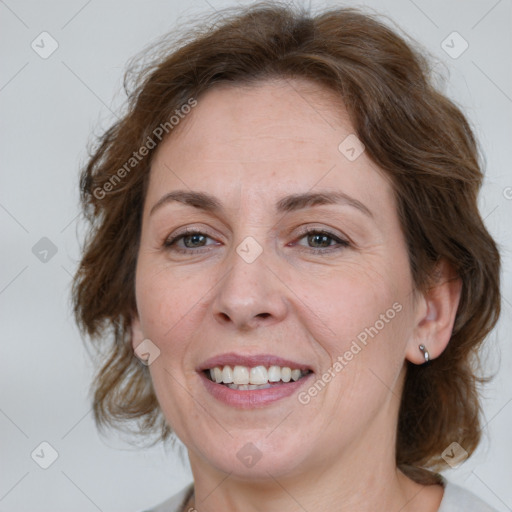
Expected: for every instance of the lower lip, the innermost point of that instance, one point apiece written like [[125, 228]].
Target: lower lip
[[252, 398]]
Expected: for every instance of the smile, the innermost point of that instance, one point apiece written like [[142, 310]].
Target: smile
[[245, 378], [252, 381]]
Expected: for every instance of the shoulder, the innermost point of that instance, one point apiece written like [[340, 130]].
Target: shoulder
[[458, 499], [174, 503]]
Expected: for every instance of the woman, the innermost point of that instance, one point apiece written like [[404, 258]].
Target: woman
[[286, 247]]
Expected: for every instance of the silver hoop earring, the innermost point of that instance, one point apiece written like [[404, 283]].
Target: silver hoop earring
[[426, 355]]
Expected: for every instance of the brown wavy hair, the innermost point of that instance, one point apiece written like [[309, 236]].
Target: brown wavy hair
[[413, 132]]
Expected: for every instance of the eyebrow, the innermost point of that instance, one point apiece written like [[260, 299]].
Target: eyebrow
[[290, 203]]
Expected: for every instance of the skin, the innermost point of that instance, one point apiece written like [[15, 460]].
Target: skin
[[249, 147]]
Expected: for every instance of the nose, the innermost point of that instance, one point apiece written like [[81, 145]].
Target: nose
[[250, 294]]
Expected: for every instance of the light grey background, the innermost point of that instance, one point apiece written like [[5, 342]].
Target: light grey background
[[49, 109]]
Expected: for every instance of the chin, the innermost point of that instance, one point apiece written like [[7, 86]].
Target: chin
[[254, 456]]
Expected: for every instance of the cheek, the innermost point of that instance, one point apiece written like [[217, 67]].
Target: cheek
[[348, 300], [164, 302], [364, 317], [361, 314]]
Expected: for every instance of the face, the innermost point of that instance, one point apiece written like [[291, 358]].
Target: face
[[259, 276]]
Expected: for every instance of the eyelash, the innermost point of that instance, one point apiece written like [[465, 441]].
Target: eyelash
[[170, 244]]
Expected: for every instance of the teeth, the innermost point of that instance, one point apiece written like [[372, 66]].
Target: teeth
[[274, 374], [240, 375], [247, 387], [217, 374], [258, 377], [295, 374], [227, 375]]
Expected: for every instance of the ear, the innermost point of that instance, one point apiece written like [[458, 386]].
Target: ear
[[136, 330], [436, 310]]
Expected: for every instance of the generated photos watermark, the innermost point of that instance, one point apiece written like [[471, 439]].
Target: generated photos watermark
[[343, 360], [151, 142]]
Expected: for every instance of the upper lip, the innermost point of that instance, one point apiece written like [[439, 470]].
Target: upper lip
[[234, 359]]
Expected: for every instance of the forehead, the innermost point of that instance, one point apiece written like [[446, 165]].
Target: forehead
[[263, 115], [268, 138]]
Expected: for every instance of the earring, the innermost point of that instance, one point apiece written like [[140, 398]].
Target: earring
[[426, 355]]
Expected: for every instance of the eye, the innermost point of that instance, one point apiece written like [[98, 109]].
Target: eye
[[320, 240], [190, 240]]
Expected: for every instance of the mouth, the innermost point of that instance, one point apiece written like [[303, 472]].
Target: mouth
[[252, 381], [245, 378]]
